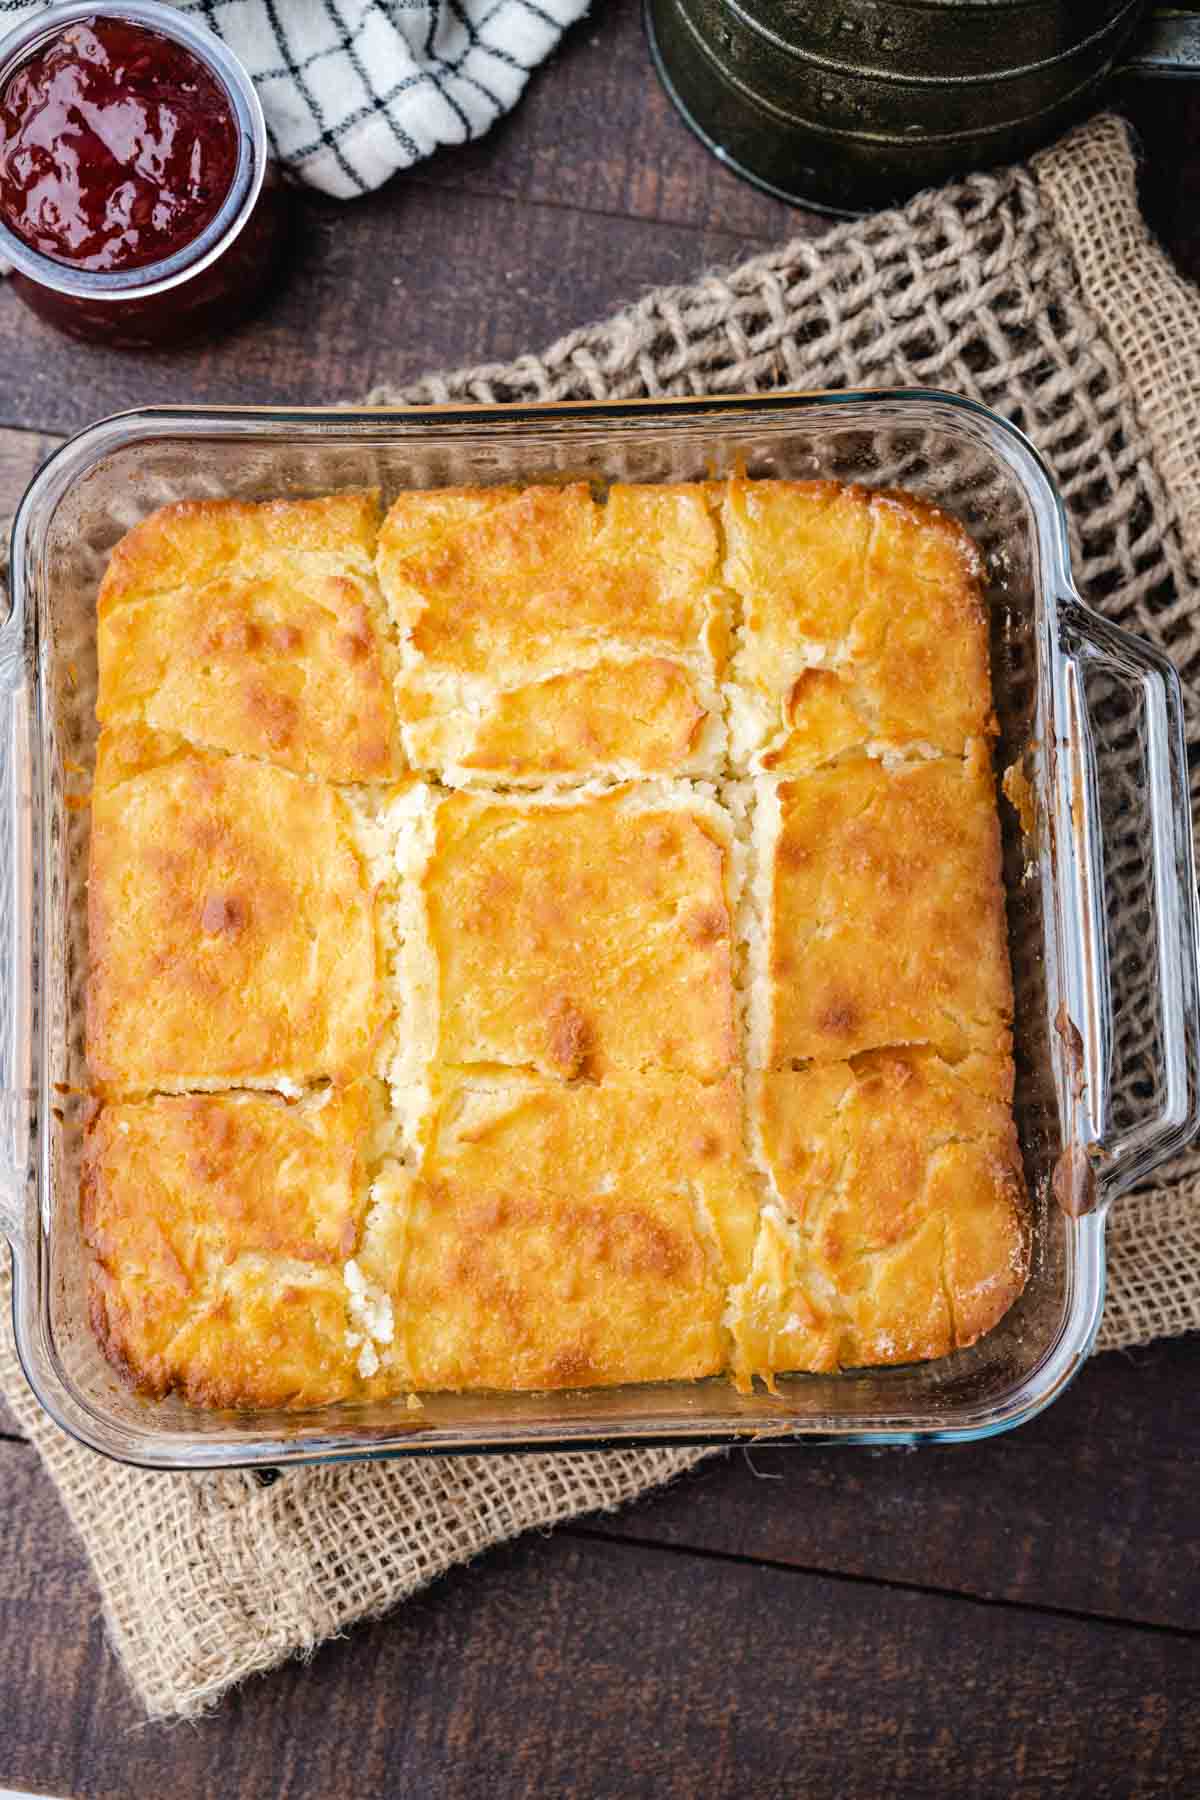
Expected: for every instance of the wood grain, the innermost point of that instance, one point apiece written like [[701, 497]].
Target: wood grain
[[21, 454], [591, 193], [561, 1668], [1091, 1507], [1018, 1617], [403, 282], [595, 130]]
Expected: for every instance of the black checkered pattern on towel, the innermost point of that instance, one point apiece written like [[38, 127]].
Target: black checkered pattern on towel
[[355, 89]]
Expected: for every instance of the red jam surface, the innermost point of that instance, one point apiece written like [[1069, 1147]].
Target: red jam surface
[[117, 147]]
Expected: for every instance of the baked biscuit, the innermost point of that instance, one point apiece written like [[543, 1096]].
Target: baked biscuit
[[678, 1080], [561, 1236], [254, 628], [895, 1228], [877, 912], [574, 936], [220, 1227], [231, 926], [544, 634], [862, 625]]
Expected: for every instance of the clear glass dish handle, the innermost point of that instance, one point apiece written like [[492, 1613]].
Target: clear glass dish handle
[[1122, 1156]]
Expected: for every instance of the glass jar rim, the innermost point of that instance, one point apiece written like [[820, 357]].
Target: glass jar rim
[[158, 277]]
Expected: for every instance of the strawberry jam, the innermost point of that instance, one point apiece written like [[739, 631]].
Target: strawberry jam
[[138, 203], [117, 147]]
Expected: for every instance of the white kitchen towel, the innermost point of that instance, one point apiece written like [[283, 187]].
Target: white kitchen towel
[[355, 89]]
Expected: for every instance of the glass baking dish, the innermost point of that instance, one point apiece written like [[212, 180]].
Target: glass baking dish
[[1098, 867]]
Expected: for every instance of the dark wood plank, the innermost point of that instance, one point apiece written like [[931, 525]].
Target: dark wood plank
[[590, 193], [595, 129], [403, 282], [602, 1663], [21, 452], [1090, 1507], [428, 274], [563, 1667]]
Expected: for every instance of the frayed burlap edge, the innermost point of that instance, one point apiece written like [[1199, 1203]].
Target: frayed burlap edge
[[208, 1579]]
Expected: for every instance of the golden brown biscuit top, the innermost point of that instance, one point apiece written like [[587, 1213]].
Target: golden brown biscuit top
[[258, 664], [256, 629], [862, 623], [220, 1224], [583, 937], [885, 912], [419, 517], [230, 1174], [630, 717], [898, 1228], [232, 932], [920, 646], [532, 582], [682, 1077], [558, 1236], [796, 553], [126, 750], [195, 541], [523, 615]]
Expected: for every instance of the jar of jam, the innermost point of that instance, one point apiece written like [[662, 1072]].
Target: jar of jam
[[138, 203]]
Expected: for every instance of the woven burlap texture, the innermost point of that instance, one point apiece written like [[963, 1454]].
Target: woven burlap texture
[[1037, 291]]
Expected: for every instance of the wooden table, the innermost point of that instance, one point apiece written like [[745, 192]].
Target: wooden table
[[1016, 1618]]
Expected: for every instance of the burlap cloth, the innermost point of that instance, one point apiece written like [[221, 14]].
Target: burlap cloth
[[1037, 291]]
